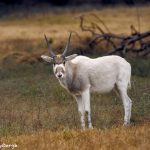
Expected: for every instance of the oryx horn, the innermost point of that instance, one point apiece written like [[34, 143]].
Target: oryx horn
[[67, 45], [49, 47]]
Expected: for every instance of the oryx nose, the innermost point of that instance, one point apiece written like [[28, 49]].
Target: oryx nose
[[59, 76]]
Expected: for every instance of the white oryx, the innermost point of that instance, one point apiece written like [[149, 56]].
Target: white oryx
[[82, 75]]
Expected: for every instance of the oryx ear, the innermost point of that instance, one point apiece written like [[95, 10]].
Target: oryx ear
[[47, 58], [71, 57]]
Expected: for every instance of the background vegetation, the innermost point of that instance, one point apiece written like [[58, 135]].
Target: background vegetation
[[70, 2], [36, 113]]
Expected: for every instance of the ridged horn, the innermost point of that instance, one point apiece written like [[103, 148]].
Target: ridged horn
[[67, 45], [49, 47]]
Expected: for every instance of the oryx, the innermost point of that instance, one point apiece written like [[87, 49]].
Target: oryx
[[82, 75]]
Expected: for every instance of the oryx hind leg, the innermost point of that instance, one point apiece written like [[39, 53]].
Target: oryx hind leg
[[127, 103]]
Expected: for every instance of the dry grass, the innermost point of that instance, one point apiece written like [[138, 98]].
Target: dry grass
[[56, 26], [33, 26], [116, 138], [23, 33], [29, 29]]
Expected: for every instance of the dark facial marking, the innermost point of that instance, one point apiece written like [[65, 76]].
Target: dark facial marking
[[59, 59], [59, 69]]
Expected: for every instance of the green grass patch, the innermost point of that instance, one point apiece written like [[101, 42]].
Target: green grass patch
[[32, 100]]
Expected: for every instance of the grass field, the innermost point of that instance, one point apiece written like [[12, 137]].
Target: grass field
[[135, 138], [36, 113]]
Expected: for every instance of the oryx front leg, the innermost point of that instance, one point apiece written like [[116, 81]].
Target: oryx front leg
[[81, 110], [86, 100]]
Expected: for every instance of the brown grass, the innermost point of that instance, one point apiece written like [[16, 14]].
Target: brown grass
[[57, 25], [26, 33], [116, 138]]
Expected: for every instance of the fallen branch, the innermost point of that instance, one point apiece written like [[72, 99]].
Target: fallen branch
[[125, 44]]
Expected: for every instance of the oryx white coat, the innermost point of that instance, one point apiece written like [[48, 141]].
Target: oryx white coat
[[82, 75]]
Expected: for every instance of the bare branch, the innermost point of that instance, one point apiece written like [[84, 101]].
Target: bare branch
[[101, 21], [125, 43]]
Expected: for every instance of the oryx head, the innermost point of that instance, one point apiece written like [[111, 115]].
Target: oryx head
[[58, 61]]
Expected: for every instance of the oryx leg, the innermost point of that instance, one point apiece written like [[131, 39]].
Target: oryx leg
[[81, 110], [86, 100], [127, 103]]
